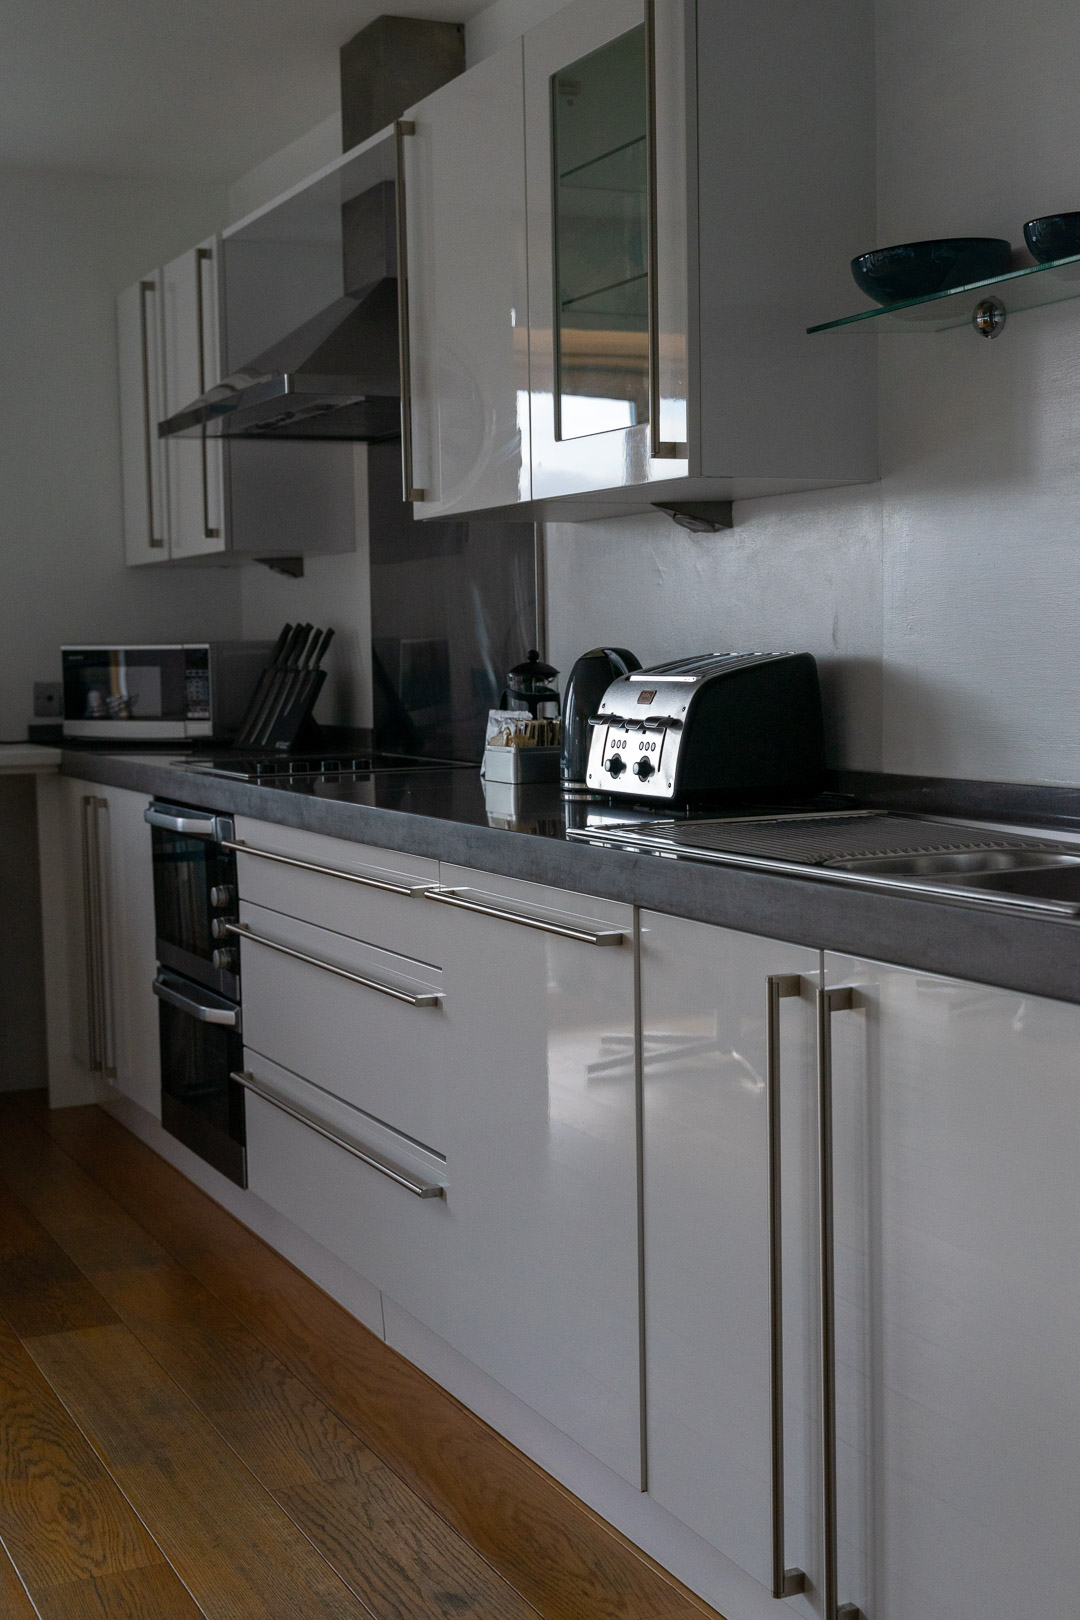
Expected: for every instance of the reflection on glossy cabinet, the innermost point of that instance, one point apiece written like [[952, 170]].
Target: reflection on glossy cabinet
[[192, 346], [468, 304], [957, 1211], [541, 1155], [140, 338], [709, 1361]]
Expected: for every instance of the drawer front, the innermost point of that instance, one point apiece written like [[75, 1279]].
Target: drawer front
[[351, 903], [369, 1043], [376, 1225]]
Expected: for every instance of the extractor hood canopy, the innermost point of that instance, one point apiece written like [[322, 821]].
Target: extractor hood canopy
[[335, 375]]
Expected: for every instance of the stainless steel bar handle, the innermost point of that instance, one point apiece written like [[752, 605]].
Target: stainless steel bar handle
[[786, 1582], [659, 449], [104, 932], [193, 825], [404, 127], [841, 998], [203, 256], [587, 936], [326, 871], [366, 1155], [204, 1012], [155, 543], [423, 998], [93, 1003]]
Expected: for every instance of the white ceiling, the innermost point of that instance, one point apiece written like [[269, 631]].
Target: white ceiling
[[186, 89]]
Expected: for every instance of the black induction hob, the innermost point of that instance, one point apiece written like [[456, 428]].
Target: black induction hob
[[322, 765]]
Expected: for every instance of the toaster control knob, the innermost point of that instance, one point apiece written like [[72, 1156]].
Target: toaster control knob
[[224, 959], [616, 765], [644, 768], [219, 927], [222, 895]]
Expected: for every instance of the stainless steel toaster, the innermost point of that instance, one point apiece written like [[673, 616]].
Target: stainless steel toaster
[[722, 725]]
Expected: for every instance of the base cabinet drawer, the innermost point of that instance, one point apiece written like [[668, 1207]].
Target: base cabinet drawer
[[362, 1191], [354, 889], [364, 1024]]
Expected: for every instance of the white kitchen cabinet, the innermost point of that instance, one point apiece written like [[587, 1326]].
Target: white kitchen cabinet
[[193, 351], [710, 1360], [697, 185], [541, 1154], [468, 291], [110, 935], [363, 1023], [956, 1114], [140, 335]]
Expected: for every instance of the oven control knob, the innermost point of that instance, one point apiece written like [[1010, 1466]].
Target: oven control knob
[[644, 768], [222, 895], [219, 927], [616, 765], [224, 959]]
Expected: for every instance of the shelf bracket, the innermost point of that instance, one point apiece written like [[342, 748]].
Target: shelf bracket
[[989, 317]]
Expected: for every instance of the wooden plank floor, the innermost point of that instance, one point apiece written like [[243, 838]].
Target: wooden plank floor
[[189, 1427]]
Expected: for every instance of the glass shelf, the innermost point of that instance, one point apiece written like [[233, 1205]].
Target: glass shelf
[[1030, 288]]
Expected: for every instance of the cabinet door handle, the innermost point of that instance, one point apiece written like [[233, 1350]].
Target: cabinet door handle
[[786, 1582], [659, 449], [840, 998], [203, 256], [402, 128], [366, 1155], [99, 1005], [145, 288], [326, 871], [93, 1003], [425, 998], [587, 936]]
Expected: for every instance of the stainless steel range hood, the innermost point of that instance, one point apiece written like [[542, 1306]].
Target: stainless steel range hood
[[336, 376]]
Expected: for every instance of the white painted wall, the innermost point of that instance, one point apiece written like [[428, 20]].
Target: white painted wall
[[943, 601], [68, 244]]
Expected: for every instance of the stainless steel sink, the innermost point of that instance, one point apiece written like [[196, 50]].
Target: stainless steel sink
[[959, 866], [968, 863]]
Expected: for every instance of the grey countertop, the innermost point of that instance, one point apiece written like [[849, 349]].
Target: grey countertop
[[444, 814]]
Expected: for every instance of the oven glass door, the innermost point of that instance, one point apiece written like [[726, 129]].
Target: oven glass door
[[194, 898], [200, 1104]]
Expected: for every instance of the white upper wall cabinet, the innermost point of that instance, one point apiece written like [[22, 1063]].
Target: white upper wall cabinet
[[697, 177], [142, 403], [193, 357], [468, 291]]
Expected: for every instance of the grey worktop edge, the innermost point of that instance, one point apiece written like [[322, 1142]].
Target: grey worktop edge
[[1027, 954]]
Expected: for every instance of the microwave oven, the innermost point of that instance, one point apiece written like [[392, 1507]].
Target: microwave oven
[[140, 694]]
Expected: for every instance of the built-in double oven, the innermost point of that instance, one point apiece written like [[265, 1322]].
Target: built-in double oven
[[198, 983]]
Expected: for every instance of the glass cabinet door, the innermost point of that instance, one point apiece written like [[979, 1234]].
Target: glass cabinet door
[[600, 239], [600, 348]]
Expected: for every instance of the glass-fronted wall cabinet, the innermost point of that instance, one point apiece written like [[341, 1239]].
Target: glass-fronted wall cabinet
[[696, 175]]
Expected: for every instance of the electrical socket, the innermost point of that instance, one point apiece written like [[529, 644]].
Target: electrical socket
[[48, 700]]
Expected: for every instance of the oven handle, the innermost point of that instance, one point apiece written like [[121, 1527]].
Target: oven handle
[[188, 822], [206, 1012]]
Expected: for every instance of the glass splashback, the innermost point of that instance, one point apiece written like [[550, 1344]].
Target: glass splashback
[[601, 280]]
